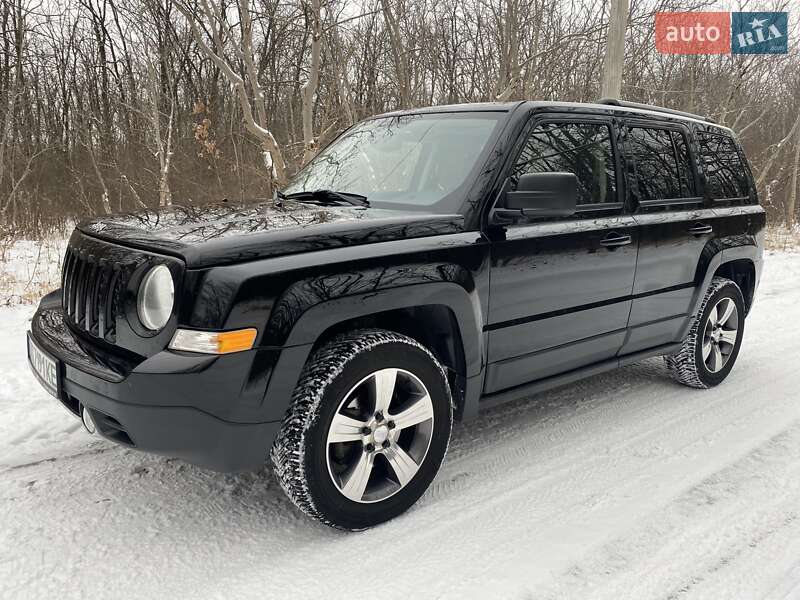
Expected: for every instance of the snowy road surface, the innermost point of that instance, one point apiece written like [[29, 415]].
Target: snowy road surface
[[625, 485]]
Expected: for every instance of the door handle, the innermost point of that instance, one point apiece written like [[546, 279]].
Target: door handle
[[701, 229], [613, 240]]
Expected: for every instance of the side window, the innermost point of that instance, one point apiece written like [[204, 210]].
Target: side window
[[580, 148], [725, 174], [663, 165]]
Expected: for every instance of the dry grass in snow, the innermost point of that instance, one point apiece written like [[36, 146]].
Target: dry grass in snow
[[29, 269]]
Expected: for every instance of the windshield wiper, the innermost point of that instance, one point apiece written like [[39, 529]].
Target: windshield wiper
[[326, 197]]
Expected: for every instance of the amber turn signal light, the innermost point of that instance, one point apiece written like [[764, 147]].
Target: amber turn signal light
[[213, 342]]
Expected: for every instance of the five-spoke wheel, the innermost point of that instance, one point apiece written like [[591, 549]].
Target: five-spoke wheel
[[368, 428], [380, 435], [721, 332], [709, 351]]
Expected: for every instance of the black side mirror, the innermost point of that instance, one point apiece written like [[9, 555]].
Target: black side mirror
[[540, 195]]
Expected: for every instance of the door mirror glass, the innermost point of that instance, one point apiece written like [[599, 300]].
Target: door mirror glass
[[541, 195]]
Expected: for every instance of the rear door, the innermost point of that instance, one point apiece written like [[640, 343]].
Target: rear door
[[560, 288], [675, 223]]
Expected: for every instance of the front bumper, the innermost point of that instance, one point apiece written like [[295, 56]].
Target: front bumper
[[207, 410]]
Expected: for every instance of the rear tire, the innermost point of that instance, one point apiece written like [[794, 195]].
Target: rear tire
[[710, 350], [367, 429]]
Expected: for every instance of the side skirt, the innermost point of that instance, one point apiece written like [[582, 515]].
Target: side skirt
[[529, 389]]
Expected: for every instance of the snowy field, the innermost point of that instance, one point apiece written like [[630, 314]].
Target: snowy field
[[625, 485], [29, 269]]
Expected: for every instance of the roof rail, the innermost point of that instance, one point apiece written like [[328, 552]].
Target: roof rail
[[679, 113]]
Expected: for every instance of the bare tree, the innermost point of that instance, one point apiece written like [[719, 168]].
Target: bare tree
[[108, 105], [615, 50], [791, 203], [245, 85], [398, 51], [154, 54], [314, 20]]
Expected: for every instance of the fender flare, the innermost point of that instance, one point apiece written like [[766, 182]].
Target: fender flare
[[714, 255], [317, 319]]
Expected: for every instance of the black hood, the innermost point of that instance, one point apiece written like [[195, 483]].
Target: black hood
[[231, 232]]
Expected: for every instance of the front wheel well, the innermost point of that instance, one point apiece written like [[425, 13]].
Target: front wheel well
[[743, 273], [433, 325]]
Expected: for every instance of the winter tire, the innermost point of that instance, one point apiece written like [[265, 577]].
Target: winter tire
[[709, 351], [366, 431]]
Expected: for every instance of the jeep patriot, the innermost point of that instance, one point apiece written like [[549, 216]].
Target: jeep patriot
[[428, 264]]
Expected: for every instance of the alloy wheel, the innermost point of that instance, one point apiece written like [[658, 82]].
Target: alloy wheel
[[720, 334], [379, 436]]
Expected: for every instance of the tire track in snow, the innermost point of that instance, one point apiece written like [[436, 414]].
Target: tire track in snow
[[707, 531], [659, 420], [555, 494], [651, 427]]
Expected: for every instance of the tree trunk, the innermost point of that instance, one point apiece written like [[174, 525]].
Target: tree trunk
[[791, 203], [509, 65], [615, 50], [164, 191], [398, 55], [310, 88], [105, 199]]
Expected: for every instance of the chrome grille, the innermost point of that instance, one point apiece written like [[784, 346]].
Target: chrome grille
[[91, 287]]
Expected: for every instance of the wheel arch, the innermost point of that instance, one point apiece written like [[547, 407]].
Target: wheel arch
[[738, 258], [442, 316], [435, 326], [742, 271]]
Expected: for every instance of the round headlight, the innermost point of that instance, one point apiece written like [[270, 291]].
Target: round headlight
[[156, 297]]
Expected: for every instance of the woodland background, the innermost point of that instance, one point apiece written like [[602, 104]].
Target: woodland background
[[112, 105]]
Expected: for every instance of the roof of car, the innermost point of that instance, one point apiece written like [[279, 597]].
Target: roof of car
[[617, 106], [602, 107], [450, 108]]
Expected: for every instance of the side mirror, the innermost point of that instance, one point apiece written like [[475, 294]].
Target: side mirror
[[540, 195]]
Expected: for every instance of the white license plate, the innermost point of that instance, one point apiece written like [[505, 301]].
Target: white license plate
[[44, 367]]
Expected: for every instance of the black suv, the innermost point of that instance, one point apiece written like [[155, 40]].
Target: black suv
[[426, 265]]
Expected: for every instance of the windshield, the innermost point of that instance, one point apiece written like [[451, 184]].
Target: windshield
[[410, 161]]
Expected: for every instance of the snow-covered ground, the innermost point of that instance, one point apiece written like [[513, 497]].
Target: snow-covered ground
[[625, 485], [29, 268]]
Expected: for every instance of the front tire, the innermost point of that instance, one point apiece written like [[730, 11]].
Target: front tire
[[367, 429], [710, 350]]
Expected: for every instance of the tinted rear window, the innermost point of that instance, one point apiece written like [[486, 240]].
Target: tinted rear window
[[726, 175], [663, 167]]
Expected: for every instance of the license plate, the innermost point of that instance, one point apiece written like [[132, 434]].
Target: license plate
[[44, 366]]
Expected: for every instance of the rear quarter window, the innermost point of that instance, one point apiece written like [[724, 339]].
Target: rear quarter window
[[725, 171]]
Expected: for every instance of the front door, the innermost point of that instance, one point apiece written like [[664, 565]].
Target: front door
[[560, 288]]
